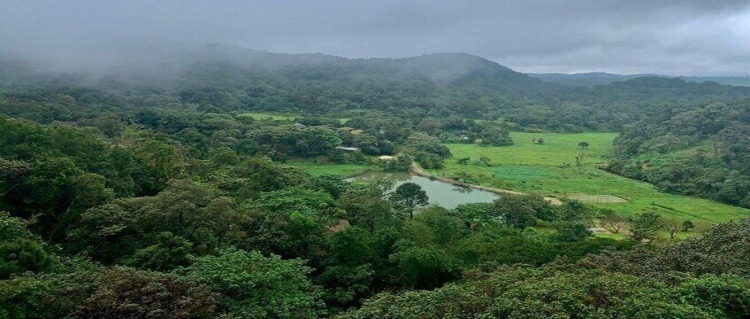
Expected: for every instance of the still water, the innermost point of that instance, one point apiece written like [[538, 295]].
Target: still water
[[443, 194]]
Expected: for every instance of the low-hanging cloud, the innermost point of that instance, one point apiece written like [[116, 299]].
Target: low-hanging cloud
[[675, 37]]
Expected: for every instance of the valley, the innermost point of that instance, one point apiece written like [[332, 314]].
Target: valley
[[549, 169], [250, 184]]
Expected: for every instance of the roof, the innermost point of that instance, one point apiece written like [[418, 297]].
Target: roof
[[348, 148]]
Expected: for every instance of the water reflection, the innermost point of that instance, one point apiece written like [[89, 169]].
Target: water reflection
[[443, 194]]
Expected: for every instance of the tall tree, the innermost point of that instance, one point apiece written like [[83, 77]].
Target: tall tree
[[410, 196]]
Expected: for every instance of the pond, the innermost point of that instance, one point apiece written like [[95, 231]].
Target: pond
[[441, 193]]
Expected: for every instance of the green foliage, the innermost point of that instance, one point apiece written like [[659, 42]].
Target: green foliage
[[424, 267], [535, 293], [168, 253], [259, 174], [123, 293], [495, 244], [400, 164], [22, 255], [687, 225], [255, 286], [427, 150], [26, 297], [700, 151], [522, 211], [20, 250], [346, 285], [294, 141], [100, 293], [442, 225], [572, 231], [728, 295], [720, 250], [12, 228], [191, 212], [615, 221], [646, 225], [291, 223], [495, 136], [165, 175], [365, 205], [409, 196]]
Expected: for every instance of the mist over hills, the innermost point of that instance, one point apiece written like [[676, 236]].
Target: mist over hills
[[168, 61], [228, 78], [148, 165], [172, 65]]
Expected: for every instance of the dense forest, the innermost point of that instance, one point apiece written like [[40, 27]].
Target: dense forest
[[149, 191], [226, 79], [703, 151]]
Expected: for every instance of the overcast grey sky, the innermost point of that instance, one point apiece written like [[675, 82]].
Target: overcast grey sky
[[674, 37]]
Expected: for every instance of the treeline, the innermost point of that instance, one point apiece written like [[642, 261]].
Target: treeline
[[702, 151]]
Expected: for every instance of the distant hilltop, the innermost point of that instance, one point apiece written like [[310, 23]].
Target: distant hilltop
[[603, 78]]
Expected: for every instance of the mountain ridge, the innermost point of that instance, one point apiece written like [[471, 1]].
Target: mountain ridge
[[589, 79]]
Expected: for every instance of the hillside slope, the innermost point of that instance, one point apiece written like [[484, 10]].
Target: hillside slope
[[218, 78], [702, 152], [602, 78]]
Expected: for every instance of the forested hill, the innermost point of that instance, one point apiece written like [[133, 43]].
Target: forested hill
[[212, 65], [218, 78], [602, 78], [702, 152], [147, 190], [584, 79]]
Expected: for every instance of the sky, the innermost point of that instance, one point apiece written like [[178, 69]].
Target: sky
[[671, 37]]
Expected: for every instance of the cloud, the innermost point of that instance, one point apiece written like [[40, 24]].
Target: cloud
[[676, 37]]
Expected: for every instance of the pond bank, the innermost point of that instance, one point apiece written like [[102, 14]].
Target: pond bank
[[416, 170]]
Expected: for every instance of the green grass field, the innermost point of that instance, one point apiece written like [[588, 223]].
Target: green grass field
[[550, 169]]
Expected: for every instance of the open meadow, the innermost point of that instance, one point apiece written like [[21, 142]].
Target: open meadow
[[550, 169]]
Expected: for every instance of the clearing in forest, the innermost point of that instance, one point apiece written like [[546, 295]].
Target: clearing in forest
[[552, 169], [281, 117]]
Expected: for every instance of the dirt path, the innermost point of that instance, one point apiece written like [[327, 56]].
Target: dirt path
[[416, 170]]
